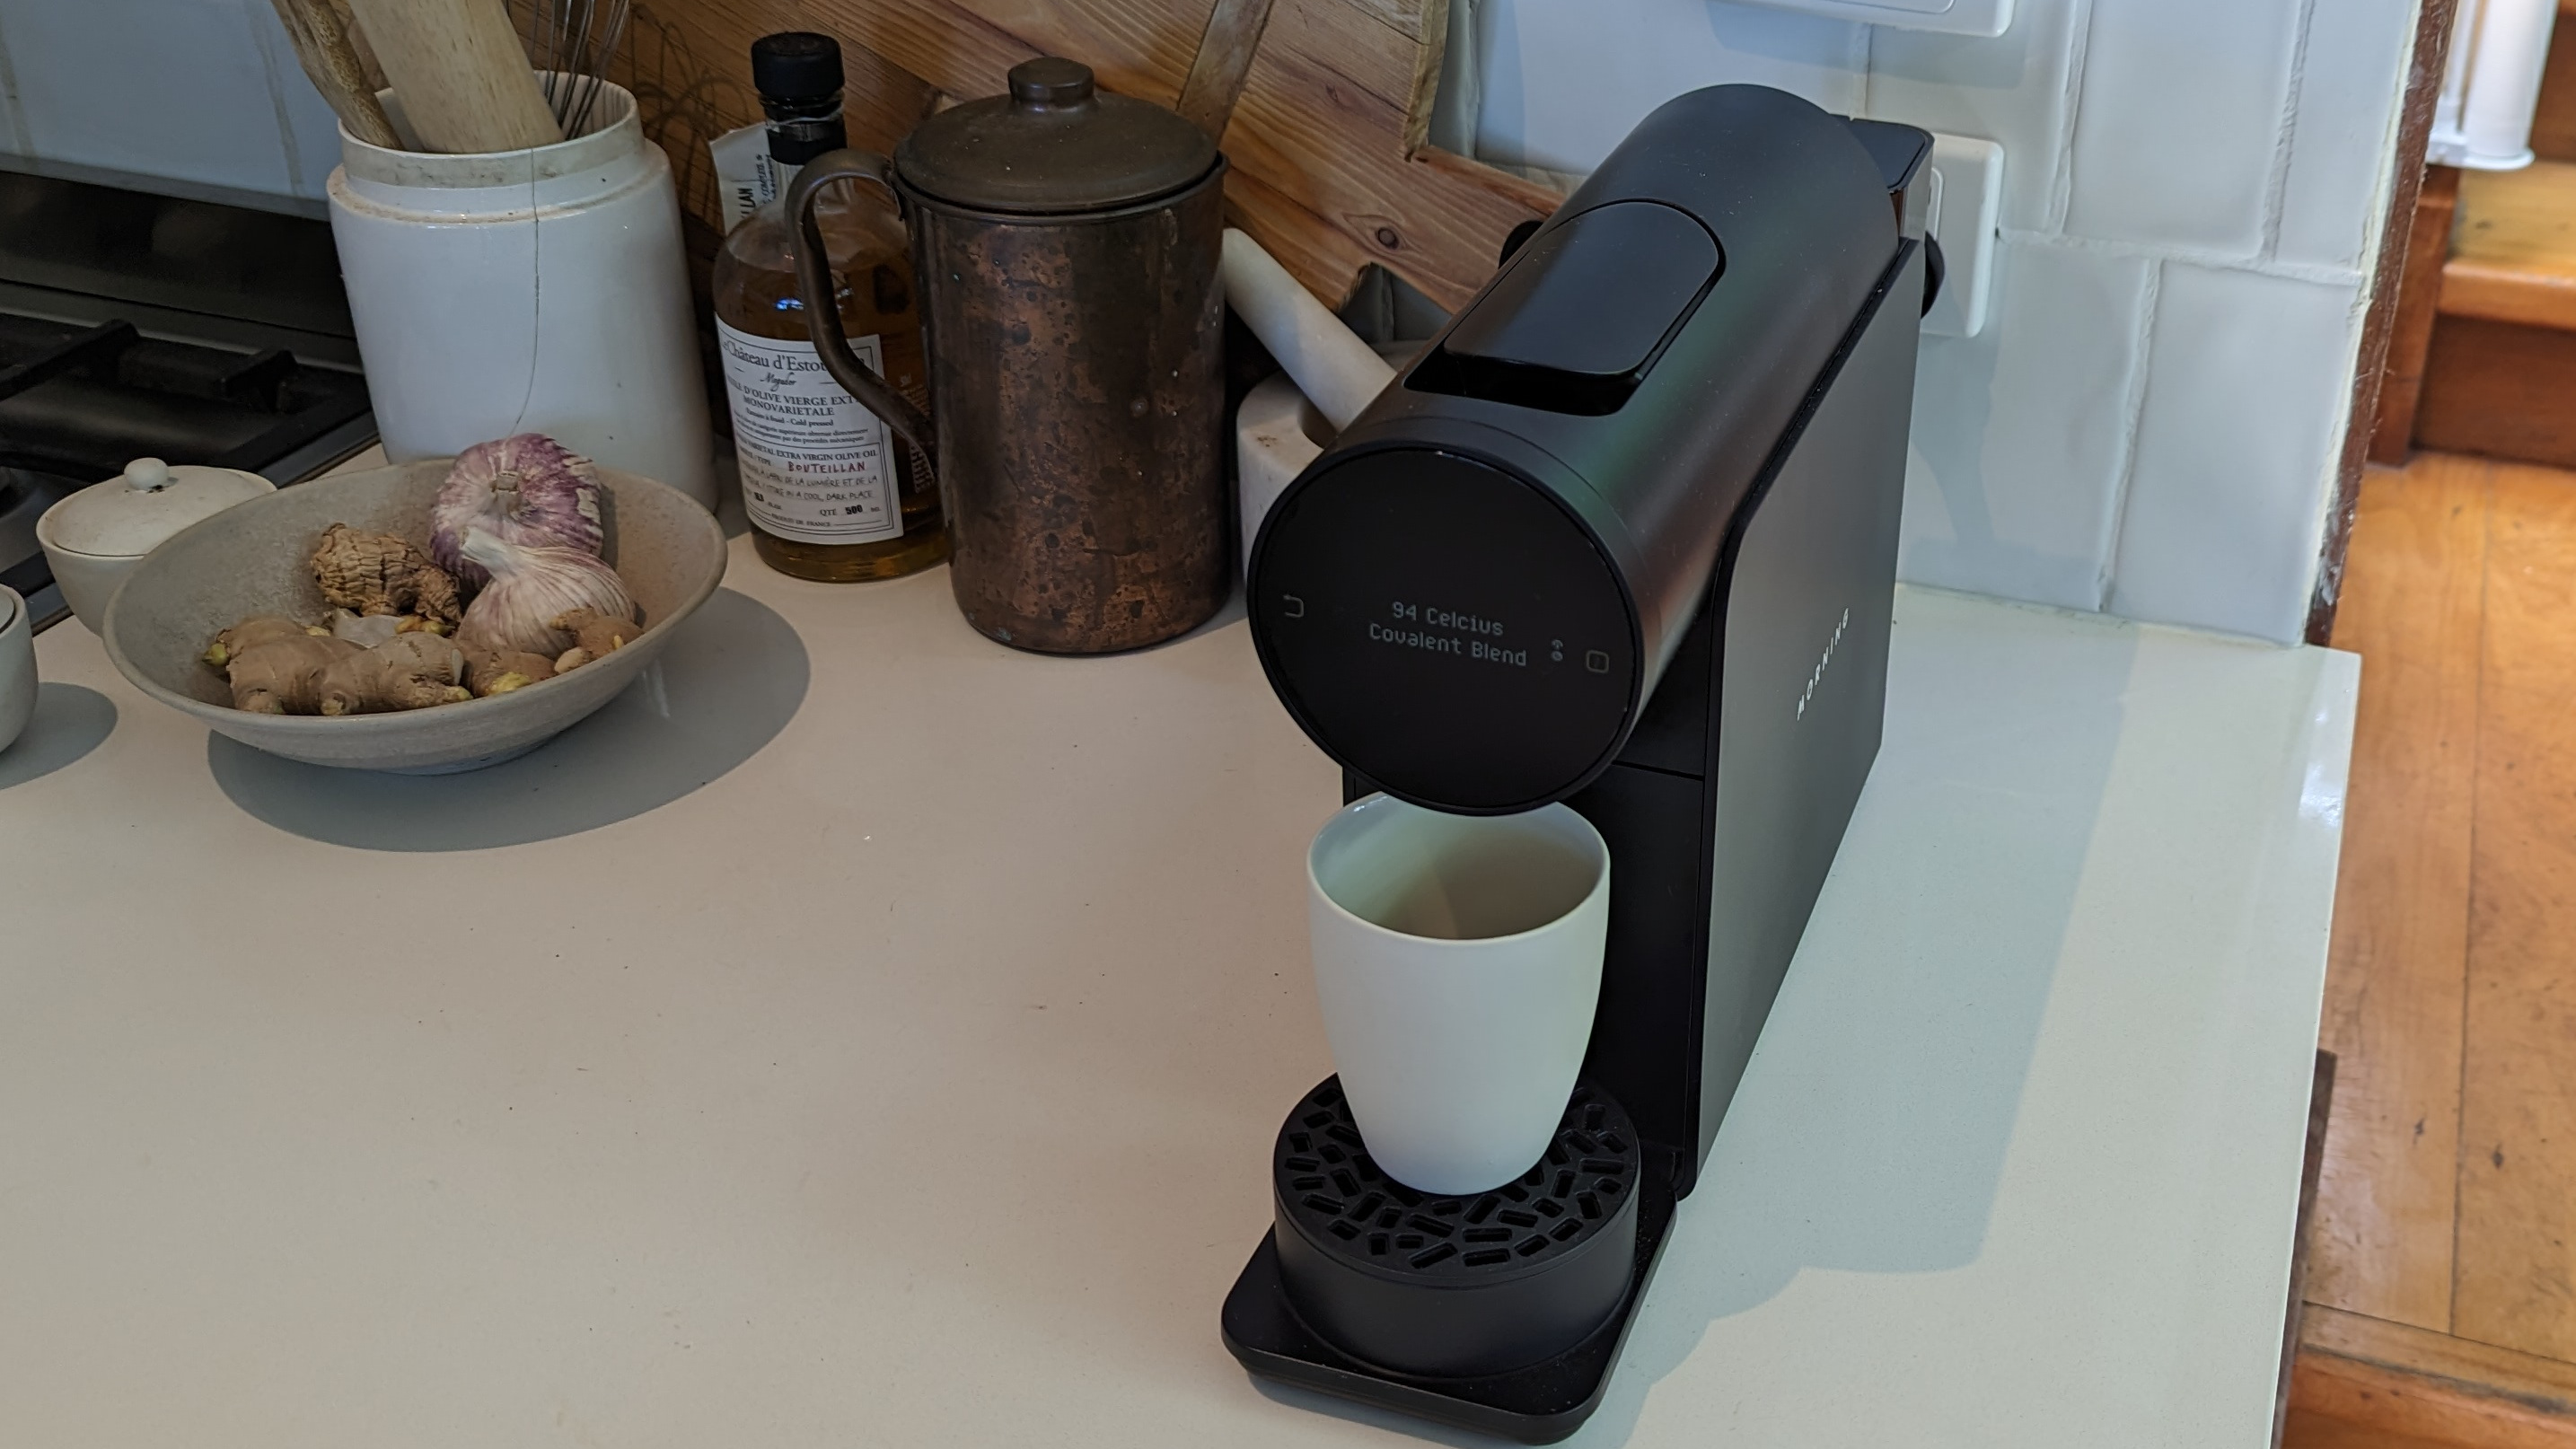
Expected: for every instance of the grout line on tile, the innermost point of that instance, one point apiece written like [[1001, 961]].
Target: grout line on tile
[[21, 143], [1856, 55], [2313, 272], [2276, 188], [1868, 69], [2134, 407], [2061, 180]]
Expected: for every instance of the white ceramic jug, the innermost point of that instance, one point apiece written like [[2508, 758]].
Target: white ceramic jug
[[542, 290]]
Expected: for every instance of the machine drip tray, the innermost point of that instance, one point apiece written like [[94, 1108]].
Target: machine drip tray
[[1316, 1307]]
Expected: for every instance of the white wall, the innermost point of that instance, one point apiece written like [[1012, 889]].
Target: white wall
[[2149, 421], [202, 95]]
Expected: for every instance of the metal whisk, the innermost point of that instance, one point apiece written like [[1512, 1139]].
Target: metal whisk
[[571, 42]]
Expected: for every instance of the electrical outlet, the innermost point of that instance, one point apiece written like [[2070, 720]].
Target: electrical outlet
[[1956, 17], [1967, 201]]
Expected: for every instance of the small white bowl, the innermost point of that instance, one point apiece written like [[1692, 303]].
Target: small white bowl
[[96, 537], [17, 667]]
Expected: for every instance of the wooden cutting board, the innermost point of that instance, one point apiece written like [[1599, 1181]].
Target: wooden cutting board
[[1330, 167]]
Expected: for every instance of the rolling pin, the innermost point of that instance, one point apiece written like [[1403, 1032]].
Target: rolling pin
[[1332, 366], [465, 83]]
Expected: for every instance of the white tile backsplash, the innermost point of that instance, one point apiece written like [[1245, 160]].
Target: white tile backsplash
[[308, 130], [2021, 432], [2236, 447], [2178, 121], [2343, 133], [2016, 90], [2219, 164], [1566, 80], [204, 92]]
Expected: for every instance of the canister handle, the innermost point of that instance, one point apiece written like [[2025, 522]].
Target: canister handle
[[822, 308]]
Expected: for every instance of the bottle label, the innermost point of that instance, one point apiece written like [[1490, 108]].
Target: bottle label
[[816, 466], [747, 176]]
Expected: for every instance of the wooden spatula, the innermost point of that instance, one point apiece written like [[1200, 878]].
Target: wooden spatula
[[463, 79]]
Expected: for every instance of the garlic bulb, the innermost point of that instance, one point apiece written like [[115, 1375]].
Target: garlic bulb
[[526, 489], [530, 587]]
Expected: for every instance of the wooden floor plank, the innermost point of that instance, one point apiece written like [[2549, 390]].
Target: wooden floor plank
[[2308, 1430], [2347, 1404], [2382, 1237], [2319, 1432], [2517, 1228], [2544, 1384]]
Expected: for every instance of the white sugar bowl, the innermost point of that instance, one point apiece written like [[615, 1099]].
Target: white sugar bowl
[[94, 538]]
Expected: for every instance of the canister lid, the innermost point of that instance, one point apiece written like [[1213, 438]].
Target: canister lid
[[1055, 144], [136, 512]]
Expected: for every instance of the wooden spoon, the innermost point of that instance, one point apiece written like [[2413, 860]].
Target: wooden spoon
[[465, 83]]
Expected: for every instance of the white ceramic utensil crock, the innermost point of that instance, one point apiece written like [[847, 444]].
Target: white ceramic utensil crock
[[541, 291], [1277, 432], [17, 667], [1458, 963], [94, 538]]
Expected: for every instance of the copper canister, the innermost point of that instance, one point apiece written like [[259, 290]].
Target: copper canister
[[1066, 243]]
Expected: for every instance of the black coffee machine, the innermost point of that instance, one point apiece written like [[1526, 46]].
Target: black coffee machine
[[1624, 536]]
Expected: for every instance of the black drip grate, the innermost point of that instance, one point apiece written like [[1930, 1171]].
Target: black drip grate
[[1350, 1208]]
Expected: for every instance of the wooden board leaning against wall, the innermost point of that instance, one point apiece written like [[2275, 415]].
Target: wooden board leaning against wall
[[1331, 169]]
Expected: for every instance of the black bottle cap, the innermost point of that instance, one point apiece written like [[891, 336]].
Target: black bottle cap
[[796, 65]]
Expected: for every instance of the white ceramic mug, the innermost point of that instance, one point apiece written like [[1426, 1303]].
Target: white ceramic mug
[[17, 667], [1458, 960]]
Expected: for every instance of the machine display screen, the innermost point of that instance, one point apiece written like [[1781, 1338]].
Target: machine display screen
[[1446, 629]]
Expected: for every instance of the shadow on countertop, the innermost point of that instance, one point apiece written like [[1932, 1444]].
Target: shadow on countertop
[[729, 681], [69, 722]]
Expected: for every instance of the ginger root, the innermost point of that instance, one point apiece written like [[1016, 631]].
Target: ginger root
[[249, 634], [407, 671], [594, 634], [282, 673], [499, 671], [364, 630], [382, 573]]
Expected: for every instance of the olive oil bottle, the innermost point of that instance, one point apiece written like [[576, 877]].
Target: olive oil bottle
[[832, 492]]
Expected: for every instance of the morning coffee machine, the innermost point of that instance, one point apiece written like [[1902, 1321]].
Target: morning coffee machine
[[1623, 536]]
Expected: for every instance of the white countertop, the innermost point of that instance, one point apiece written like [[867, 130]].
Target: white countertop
[[884, 1046]]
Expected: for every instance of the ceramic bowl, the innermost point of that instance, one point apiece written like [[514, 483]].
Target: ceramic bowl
[[17, 667], [251, 559]]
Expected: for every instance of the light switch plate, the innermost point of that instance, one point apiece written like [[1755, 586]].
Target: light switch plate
[[1955, 17], [1966, 206]]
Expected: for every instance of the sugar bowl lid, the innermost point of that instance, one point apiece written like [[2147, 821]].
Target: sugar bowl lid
[[138, 510], [1056, 144]]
